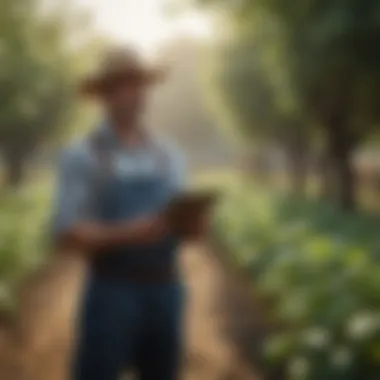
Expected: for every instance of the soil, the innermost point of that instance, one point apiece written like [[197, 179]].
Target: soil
[[222, 325]]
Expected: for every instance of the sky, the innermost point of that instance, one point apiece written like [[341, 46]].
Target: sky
[[142, 22]]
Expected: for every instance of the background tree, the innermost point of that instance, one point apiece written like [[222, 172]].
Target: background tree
[[37, 79], [327, 52], [261, 105]]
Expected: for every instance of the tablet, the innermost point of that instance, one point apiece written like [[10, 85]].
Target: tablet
[[198, 199], [191, 202]]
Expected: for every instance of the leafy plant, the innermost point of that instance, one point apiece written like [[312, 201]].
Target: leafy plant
[[22, 239], [322, 268]]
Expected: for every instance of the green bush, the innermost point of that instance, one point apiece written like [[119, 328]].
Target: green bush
[[22, 238], [322, 269]]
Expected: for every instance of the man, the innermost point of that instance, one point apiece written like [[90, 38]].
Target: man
[[113, 190]]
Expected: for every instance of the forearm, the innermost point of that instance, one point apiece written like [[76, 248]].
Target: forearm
[[120, 234], [95, 236]]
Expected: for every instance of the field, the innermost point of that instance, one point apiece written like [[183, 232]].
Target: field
[[318, 271], [315, 269], [38, 343]]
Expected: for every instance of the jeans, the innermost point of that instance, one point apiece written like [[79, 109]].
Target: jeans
[[130, 325]]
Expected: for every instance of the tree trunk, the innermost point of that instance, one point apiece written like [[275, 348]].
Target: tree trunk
[[341, 146], [328, 179], [14, 169], [298, 169], [298, 157], [346, 177]]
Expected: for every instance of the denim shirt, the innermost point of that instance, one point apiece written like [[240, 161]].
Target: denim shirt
[[142, 182]]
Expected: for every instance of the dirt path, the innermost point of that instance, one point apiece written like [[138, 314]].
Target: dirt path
[[212, 355], [43, 343]]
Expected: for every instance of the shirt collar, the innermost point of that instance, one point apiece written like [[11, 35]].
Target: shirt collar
[[107, 131]]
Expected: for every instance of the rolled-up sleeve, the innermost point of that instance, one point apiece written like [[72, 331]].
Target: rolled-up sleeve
[[72, 198]]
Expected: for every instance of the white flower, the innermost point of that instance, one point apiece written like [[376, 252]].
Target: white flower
[[299, 367], [317, 337], [341, 357], [363, 325]]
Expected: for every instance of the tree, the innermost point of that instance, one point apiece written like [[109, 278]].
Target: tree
[[36, 80], [256, 96], [336, 72], [328, 51]]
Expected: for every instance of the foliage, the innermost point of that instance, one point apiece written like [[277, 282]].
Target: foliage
[[22, 237], [37, 77], [318, 71], [321, 267], [44, 48]]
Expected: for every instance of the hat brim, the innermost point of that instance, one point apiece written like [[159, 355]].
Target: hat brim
[[95, 85]]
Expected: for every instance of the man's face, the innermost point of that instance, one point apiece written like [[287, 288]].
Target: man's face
[[125, 98]]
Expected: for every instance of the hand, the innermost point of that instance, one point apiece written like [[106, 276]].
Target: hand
[[87, 234], [194, 226], [151, 230]]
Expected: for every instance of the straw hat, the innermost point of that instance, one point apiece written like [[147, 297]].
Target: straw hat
[[120, 63]]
